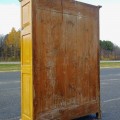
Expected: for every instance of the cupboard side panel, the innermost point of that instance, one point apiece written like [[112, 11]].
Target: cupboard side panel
[[26, 61]]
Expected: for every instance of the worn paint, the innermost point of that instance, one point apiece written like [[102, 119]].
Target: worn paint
[[65, 55]]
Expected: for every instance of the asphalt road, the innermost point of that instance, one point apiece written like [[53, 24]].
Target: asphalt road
[[110, 95], [10, 96]]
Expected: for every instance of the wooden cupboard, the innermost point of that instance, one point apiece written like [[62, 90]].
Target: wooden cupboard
[[59, 59]]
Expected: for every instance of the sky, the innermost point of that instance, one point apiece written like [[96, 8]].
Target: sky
[[9, 15], [109, 17]]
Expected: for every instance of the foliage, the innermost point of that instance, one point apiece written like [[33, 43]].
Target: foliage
[[10, 46], [109, 51], [13, 38], [107, 45]]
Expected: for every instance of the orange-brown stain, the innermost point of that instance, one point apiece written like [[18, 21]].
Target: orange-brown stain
[[62, 64]]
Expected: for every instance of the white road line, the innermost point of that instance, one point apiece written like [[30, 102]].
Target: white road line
[[105, 83], [110, 75], [9, 82], [111, 100], [110, 80], [10, 89]]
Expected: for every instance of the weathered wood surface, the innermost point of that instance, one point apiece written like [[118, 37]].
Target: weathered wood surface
[[65, 59], [66, 74]]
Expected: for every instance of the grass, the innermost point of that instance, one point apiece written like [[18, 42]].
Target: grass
[[9, 67], [16, 67], [110, 64]]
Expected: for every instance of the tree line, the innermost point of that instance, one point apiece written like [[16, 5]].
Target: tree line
[[10, 48], [109, 51]]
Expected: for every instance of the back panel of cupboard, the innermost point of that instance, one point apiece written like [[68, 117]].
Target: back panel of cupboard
[[66, 69]]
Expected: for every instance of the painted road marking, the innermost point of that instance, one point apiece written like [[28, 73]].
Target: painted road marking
[[110, 100], [1, 83], [110, 75], [110, 80], [105, 83], [9, 89]]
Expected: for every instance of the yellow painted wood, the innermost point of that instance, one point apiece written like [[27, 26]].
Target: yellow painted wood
[[26, 61]]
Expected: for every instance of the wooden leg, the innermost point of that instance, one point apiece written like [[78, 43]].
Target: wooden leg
[[98, 115]]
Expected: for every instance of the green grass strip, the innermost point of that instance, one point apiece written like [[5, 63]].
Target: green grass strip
[[16, 67], [9, 67], [110, 64]]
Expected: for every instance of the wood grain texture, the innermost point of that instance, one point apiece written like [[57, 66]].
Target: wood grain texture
[[65, 59]]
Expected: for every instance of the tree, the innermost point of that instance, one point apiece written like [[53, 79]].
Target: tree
[[13, 44], [1, 44], [108, 50], [107, 45]]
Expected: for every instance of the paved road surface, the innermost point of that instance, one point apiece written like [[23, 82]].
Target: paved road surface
[[110, 95], [10, 96]]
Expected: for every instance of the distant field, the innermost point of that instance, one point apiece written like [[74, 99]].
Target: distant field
[[110, 64], [16, 67], [9, 67]]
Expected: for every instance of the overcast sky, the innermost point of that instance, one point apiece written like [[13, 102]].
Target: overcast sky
[[9, 15], [109, 17]]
